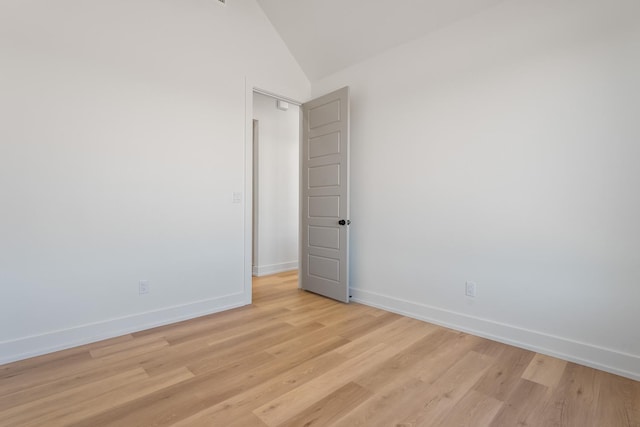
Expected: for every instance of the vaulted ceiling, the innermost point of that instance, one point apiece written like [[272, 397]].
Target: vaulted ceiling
[[328, 35]]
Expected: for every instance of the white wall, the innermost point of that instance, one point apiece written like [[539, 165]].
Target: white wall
[[504, 150], [278, 177], [122, 139]]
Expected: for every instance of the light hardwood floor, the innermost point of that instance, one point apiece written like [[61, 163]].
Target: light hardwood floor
[[297, 359]]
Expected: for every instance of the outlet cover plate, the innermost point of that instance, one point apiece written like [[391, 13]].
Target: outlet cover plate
[[144, 287], [470, 289]]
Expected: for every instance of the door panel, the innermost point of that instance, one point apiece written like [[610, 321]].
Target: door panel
[[324, 176], [324, 268], [324, 114], [324, 207], [324, 196], [324, 145], [324, 237]]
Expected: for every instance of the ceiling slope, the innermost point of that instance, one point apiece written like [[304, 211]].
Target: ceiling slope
[[329, 35]]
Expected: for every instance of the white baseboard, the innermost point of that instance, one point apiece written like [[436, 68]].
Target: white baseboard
[[265, 270], [36, 345], [623, 364]]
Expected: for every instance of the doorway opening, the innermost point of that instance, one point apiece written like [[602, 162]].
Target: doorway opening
[[275, 186], [321, 226]]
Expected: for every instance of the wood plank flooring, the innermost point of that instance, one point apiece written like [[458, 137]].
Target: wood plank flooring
[[298, 359]]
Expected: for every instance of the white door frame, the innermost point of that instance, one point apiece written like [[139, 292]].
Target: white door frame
[[255, 198], [250, 88]]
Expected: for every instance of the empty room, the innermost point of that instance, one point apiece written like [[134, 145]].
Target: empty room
[[446, 234]]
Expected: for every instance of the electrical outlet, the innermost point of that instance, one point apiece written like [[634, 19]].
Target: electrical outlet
[[144, 287], [470, 289]]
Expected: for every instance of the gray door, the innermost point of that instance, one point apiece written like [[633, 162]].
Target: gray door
[[324, 196]]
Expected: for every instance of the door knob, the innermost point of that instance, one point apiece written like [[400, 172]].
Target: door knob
[[343, 222]]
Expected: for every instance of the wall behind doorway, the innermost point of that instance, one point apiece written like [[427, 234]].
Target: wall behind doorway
[[276, 234]]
